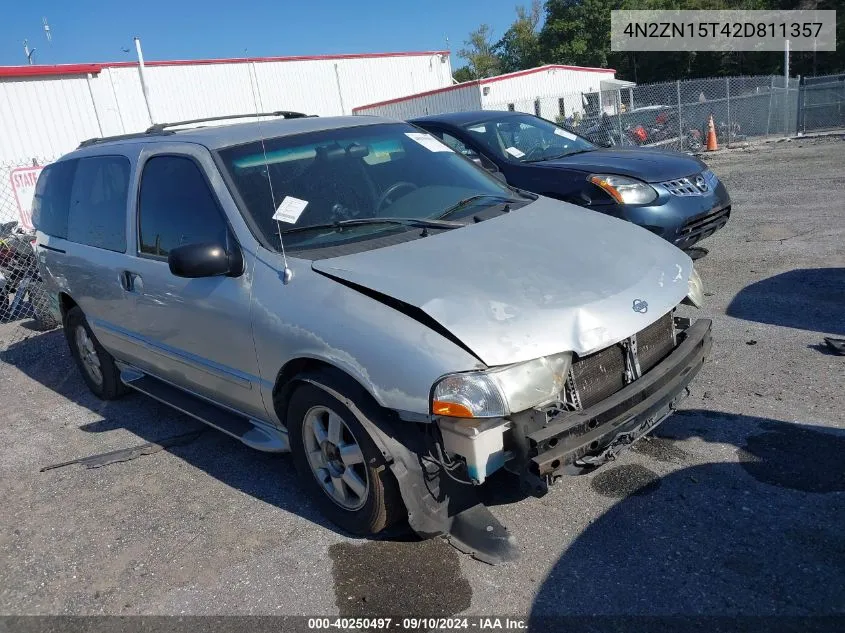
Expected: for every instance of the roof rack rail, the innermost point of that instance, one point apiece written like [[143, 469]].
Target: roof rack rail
[[118, 137], [161, 127]]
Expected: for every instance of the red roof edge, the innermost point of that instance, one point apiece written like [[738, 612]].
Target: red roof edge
[[474, 82], [539, 69], [481, 82], [292, 58], [58, 69], [75, 69]]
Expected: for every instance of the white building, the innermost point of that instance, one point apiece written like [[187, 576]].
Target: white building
[[46, 111], [548, 91]]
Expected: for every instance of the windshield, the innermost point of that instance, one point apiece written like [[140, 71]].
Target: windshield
[[325, 179], [523, 138]]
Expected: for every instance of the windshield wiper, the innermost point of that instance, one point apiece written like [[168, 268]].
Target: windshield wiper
[[463, 203], [545, 158], [419, 223]]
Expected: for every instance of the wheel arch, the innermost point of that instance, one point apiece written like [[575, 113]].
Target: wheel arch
[[66, 303], [299, 370]]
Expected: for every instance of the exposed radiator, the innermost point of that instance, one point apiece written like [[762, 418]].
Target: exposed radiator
[[597, 376]]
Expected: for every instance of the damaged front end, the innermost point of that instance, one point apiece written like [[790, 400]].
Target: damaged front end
[[622, 393], [608, 400]]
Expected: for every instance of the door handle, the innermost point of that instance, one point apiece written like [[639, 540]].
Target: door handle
[[131, 282]]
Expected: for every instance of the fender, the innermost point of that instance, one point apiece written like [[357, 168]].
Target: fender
[[437, 504]]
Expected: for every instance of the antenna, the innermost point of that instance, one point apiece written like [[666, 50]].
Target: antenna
[[287, 274], [47, 32]]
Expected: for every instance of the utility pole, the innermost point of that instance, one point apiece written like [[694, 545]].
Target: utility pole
[[28, 52], [141, 71], [785, 85], [786, 62]]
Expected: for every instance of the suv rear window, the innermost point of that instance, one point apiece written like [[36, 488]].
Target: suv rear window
[[97, 215], [84, 201], [51, 202]]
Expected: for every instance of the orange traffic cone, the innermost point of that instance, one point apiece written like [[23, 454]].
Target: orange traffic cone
[[712, 143]]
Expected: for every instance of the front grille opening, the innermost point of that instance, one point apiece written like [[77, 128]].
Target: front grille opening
[[655, 342], [707, 224], [598, 376], [686, 187]]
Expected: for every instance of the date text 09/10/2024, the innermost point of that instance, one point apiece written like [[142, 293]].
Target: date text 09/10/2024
[[415, 624]]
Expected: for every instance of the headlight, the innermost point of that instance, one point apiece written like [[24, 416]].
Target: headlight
[[696, 289], [495, 393], [710, 178], [623, 189]]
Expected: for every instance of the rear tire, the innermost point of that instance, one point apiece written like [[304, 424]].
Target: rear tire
[[95, 363], [40, 301], [5, 306], [339, 464]]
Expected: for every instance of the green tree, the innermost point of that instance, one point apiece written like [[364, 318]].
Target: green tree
[[462, 74], [577, 32], [482, 61], [519, 48]]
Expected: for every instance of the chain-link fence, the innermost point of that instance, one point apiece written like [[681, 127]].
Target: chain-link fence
[[822, 103], [675, 114], [22, 297]]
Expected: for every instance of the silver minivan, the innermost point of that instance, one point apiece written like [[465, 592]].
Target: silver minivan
[[353, 291]]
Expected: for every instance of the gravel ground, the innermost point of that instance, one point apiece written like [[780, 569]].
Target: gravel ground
[[735, 507]]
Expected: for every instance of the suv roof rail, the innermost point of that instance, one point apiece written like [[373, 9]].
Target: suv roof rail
[[161, 127], [118, 137]]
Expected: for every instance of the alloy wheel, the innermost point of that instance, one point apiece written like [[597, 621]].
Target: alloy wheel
[[335, 457], [88, 355]]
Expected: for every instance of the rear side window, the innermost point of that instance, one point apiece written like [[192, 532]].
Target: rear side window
[[177, 207], [98, 197], [455, 144], [51, 202]]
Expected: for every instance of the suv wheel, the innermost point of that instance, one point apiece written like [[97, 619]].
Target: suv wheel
[[96, 364], [340, 464]]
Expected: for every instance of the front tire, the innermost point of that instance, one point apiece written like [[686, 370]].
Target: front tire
[[339, 464], [95, 363]]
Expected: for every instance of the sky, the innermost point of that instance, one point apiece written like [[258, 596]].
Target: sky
[[97, 31]]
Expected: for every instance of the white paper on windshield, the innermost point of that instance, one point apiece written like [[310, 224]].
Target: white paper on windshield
[[290, 209], [565, 134], [428, 142], [515, 152]]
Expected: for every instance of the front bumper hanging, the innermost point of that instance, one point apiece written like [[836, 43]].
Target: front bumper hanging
[[578, 441]]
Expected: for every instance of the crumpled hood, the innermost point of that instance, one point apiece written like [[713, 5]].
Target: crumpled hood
[[650, 165], [546, 278]]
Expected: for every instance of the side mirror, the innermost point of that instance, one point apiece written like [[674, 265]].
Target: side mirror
[[205, 260], [483, 162]]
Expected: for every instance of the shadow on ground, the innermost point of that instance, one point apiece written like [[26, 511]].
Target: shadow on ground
[[265, 476], [807, 299], [760, 536], [393, 574]]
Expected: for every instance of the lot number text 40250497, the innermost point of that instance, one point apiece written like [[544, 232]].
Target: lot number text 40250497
[[418, 624]]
